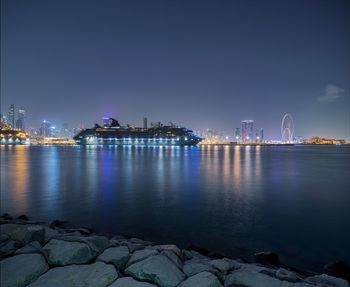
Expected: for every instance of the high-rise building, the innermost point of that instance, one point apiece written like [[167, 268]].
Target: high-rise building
[[45, 129], [238, 134], [20, 123], [247, 130], [145, 125], [11, 116], [261, 135]]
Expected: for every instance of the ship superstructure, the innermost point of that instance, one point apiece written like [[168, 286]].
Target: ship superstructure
[[112, 133]]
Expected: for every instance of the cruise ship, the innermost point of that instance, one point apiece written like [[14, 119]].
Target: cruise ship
[[112, 133]]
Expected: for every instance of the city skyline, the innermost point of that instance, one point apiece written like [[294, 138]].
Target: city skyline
[[205, 68]]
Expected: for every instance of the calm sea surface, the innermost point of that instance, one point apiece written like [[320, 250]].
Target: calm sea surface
[[293, 200]]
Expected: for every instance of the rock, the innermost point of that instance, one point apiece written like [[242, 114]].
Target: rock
[[170, 247], [198, 249], [284, 274], [130, 282], [23, 217], [203, 279], [97, 274], [327, 280], [338, 269], [194, 266], [58, 223], [50, 233], [96, 243], [223, 265], [173, 257], [4, 237], [118, 256], [156, 269], [132, 246], [29, 248], [24, 233], [9, 247], [61, 252], [140, 255], [267, 257], [249, 278], [186, 255], [20, 270]]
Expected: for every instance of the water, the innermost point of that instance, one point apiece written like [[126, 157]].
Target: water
[[293, 200]]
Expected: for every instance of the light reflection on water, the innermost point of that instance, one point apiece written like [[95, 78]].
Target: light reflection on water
[[240, 199]]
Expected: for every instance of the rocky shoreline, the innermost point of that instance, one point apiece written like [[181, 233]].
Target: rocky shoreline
[[37, 254]]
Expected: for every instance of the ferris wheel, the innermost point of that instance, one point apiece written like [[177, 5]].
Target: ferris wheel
[[287, 129]]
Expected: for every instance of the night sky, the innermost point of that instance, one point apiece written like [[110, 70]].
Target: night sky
[[201, 64]]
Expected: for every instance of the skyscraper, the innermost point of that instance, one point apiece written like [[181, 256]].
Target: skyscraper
[[145, 125], [11, 116], [20, 123], [247, 130], [45, 129], [238, 134], [261, 135]]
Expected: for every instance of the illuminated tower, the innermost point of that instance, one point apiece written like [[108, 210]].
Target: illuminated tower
[[20, 123], [11, 116], [238, 134], [247, 130]]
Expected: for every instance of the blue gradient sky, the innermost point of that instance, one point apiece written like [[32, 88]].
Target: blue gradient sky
[[202, 64]]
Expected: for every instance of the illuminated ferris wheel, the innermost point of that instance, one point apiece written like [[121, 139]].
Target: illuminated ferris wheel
[[287, 129]]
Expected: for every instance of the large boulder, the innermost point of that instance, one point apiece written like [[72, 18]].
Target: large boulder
[[20, 270], [194, 266], [338, 269], [156, 269], [96, 243], [173, 257], [223, 265], [267, 258], [24, 233], [249, 278], [130, 282], [203, 279], [9, 247], [170, 247], [140, 255], [61, 252], [326, 280], [31, 247], [118, 256], [98, 274]]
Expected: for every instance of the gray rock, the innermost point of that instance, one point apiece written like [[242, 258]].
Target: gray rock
[[118, 256], [4, 237], [327, 280], [156, 269], [9, 247], [20, 270], [203, 279], [223, 265], [24, 233], [170, 247], [97, 274], [61, 252], [140, 255], [266, 257], [249, 278], [173, 257], [96, 243], [130, 282], [186, 255], [50, 233], [29, 248], [132, 246], [284, 274], [194, 266]]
